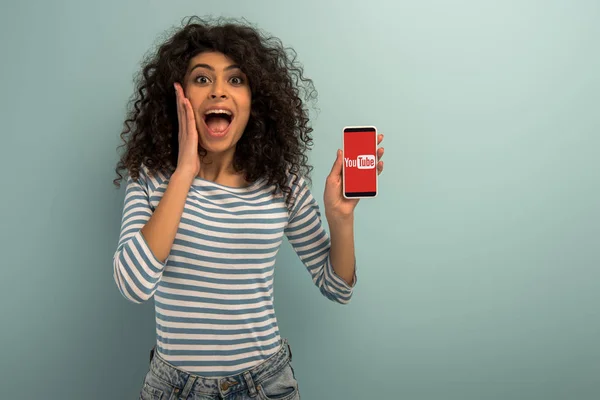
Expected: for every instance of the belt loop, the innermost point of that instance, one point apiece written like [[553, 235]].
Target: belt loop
[[250, 382], [289, 350], [188, 387]]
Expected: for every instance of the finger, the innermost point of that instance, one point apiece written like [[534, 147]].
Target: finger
[[190, 120], [379, 138], [336, 169], [180, 111], [379, 167], [380, 153], [177, 105]]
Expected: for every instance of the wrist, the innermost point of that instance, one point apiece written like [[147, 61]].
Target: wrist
[[185, 176], [340, 221]]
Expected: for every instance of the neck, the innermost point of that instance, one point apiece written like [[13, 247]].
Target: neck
[[218, 168]]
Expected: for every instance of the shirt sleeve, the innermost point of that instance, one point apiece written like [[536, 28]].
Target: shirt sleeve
[[136, 269], [311, 242]]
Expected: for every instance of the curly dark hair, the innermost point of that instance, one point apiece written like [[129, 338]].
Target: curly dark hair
[[277, 136]]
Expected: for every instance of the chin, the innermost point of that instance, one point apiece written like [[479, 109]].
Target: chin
[[216, 150], [221, 146]]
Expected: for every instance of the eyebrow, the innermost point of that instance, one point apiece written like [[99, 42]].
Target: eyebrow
[[206, 66]]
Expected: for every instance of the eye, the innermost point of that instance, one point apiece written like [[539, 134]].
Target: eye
[[237, 80], [202, 79]]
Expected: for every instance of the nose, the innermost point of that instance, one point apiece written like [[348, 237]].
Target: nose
[[218, 91]]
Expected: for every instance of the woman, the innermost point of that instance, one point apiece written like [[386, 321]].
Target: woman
[[216, 145]]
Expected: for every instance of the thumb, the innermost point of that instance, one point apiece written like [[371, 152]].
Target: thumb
[[336, 170]]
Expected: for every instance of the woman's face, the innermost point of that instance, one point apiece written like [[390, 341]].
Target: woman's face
[[220, 96]]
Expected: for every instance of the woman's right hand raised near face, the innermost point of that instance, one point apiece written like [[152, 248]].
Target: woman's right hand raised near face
[[188, 161]]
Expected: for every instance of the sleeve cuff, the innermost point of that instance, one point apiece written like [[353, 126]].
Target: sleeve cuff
[[157, 264], [339, 281]]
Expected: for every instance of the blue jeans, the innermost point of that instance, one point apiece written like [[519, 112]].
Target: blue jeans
[[273, 379]]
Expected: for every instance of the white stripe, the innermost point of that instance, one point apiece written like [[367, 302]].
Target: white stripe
[[228, 235], [237, 226], [216, 327], [190, 336], [212, 243], [212, 306], [224, 297], [222, 286], [191, 347], [255, 188], [218, 212], [254, 201], [201, 316], [266, 274], [228, 256]]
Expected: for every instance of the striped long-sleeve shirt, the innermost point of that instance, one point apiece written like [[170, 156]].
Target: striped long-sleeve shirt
[[214, 294]]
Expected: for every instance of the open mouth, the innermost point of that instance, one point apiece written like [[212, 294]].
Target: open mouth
[[218, 121]]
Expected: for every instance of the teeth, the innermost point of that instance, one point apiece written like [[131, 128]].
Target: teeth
[[218, 112]]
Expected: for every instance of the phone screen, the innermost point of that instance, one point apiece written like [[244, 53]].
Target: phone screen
[[360, 162]]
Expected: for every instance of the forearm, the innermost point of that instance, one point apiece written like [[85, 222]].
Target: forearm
[[160, 230], [342, 254]]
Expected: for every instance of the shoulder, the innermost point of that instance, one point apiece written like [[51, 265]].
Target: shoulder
[[301, 194], [150, 180]]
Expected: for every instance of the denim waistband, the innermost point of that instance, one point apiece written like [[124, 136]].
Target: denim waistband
[[185, 381]]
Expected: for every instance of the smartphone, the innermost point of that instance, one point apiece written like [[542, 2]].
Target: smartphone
[[360, 162]]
